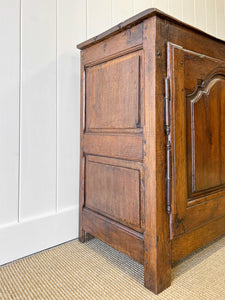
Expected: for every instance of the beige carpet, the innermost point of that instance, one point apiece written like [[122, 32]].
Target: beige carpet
[[96, 271]]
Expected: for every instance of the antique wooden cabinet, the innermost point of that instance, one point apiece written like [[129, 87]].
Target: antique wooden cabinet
[[152, 165]]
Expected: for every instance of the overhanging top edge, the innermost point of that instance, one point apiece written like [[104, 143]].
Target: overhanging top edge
[[138, 18]]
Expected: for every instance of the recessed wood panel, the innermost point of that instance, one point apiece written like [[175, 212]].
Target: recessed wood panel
[[112, 94], [198, 139], [195, 239], [114, 190], [114, 145], [205, 96], [208, 140]]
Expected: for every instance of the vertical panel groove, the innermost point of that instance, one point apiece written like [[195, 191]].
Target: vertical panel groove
[[57, 109], [216, 19], [211, 17], [111, 12], [20, 109], [220, 19], [182, 10], [38, 108], [205, 17], [194, 12], [71, 29], [87, 16]]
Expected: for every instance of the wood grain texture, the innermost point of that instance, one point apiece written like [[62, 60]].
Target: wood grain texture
[[114, 191], [114, 234], [157, 267], [124, 146], [123, 187], [124, 42], [207, 118], [198, 139], [140, 18], [188, 243], [112, 94]]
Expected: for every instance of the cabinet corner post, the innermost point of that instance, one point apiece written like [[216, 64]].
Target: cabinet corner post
[[157, 245]]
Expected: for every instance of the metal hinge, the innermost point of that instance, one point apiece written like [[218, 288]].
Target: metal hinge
[[167, 117]]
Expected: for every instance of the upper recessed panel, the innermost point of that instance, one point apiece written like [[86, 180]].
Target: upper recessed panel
[[113, 94]]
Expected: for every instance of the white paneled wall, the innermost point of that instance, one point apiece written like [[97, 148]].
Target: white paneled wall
[[39, 108], [39, 123], [9, 110], [208, 15], [121, 10], [99, 16], [71, 29]]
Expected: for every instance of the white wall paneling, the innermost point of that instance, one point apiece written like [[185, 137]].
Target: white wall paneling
[[99, 16], [9, 109], [175, 8], [161, 4], [36, 234], [140, 5], [220, 18], [211, 16], [71, 30], [39, 108], [189, 12], [200, 9], [121, 10], [40, 71]]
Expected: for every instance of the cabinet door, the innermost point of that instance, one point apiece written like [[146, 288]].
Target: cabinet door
[[197, 87]]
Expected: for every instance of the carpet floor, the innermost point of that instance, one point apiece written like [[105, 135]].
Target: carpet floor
[[96, 271]]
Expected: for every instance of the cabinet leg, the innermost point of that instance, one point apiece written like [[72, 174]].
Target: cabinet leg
[[85, 236], [157, 268], [82, 236], [156, 283]]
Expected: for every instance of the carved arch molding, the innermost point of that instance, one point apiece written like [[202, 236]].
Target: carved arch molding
[[207, 165], [204, 86]]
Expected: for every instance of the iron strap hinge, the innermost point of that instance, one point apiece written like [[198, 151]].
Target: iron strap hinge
[[167, 125]]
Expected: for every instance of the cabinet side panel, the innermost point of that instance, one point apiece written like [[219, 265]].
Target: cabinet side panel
[[113, 191], [112, 95]]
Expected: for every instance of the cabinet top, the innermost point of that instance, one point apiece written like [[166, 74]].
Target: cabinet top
[[138, 18]]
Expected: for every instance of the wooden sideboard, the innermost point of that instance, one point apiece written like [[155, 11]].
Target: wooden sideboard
[[152, 159]]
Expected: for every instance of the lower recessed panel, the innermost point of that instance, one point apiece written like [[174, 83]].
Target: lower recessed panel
[[114, 191]]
